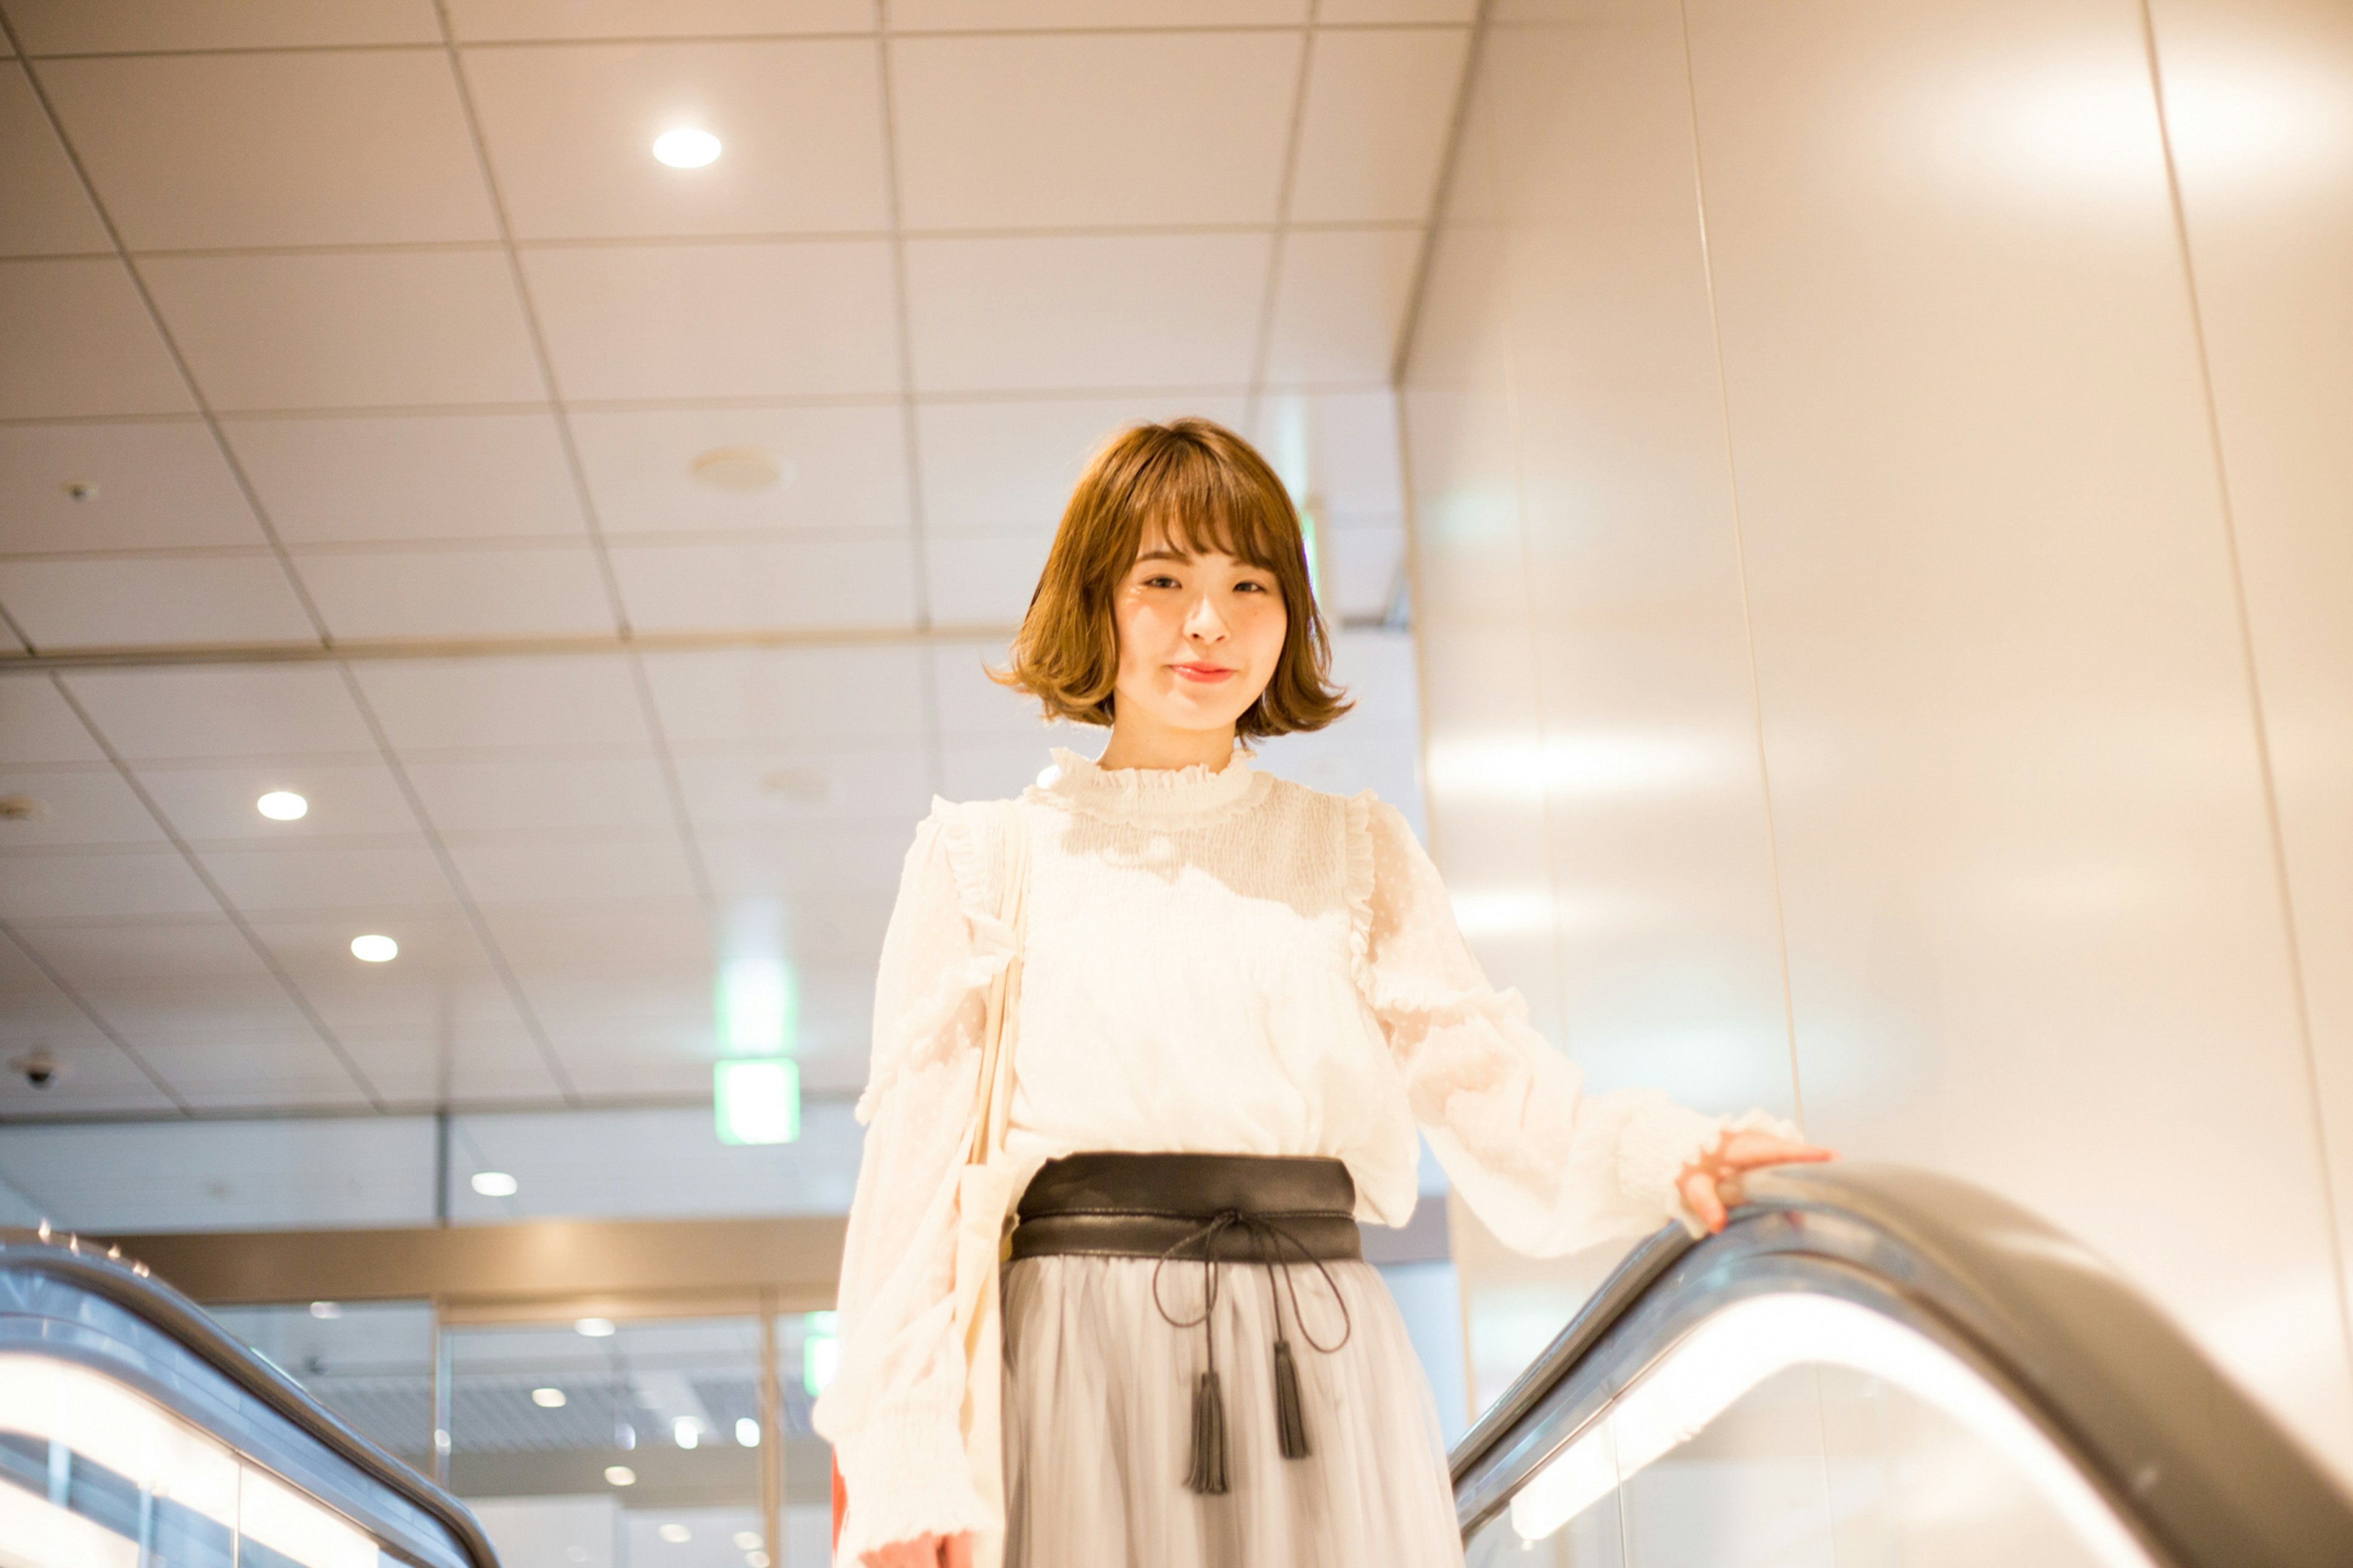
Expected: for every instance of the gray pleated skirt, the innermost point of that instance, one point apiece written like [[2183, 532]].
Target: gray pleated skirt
[[1099, 1413]]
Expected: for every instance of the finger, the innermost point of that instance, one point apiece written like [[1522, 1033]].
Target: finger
[[1698, 1189], [958, 1551]]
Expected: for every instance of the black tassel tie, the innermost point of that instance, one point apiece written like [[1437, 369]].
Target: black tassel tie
[[1208, 1474]]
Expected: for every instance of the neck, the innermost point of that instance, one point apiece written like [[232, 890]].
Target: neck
[[1140, 743]]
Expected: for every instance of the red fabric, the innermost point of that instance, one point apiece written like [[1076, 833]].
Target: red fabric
[[841, 1503]]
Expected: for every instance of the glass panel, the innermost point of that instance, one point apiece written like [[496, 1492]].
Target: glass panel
[[370, 1362], [1805, 1433], [596, 1445]]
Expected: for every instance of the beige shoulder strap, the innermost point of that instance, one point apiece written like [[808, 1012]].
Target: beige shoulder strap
[[995, 1094]]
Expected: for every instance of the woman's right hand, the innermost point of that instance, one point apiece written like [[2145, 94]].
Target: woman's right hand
[[923, 1551]]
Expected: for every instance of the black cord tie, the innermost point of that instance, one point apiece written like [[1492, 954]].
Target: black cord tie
[[1208, 1474]]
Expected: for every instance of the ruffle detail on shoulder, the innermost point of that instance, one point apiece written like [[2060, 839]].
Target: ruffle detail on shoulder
[[924, 1032], [1360, 887], [1160, 797], [1437, 1008]]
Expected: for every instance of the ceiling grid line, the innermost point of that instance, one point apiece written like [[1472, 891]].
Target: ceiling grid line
[[98, 1020], [530, 324], [910, 422], [492, 953], [1262, 345], [575, 470], [186, 372], [237, 917]]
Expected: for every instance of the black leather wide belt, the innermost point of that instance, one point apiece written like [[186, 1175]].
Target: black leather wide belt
[[1167, 1205], [1209, 1209]]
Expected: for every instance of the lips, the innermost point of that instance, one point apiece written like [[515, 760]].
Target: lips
[[1204, 673]]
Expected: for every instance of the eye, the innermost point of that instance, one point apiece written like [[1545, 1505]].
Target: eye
[[1160, 580], [1251, 585]]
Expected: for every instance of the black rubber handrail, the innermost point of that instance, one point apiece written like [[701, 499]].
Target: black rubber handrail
[[2187, 1461], [127, 1284]]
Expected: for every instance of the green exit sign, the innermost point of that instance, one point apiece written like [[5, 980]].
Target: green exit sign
[[757, 1100]]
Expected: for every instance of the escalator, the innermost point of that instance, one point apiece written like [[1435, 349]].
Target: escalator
[[135, 1434], [1877, 1366]]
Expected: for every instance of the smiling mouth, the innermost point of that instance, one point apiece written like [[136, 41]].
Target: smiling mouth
[[1201, 672]]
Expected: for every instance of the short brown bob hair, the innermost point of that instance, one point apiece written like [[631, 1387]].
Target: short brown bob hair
[[1209, 491]]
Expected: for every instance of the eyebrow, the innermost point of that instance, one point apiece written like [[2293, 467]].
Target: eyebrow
[[1164, 554]]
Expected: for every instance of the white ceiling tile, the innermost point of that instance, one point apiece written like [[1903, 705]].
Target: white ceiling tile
[[190, 1008], [431, 475], [545, 591], [571, 132], [1360, 563], [44, 211], [1340, 450], [10, 642], [791, 786], [272, 712], [986, 15], [797, 694], [1026, 132], [440, 958], [985, 579], [799, 583], [81, 807], [217, 804], [603, 933], [84, 886], [154, 951], [1380, 107], [158, 484], [257, 1070], [350, 329], [78, 26], [1360, 13], [37, 725], [75, 340], [992, 465], [470, 1063], [463, 704], [974, 707], [147, 601], [718, 321], [841, 468], [481, 19], [300, 148], [373, 886], [97, 1078], [527, 795], [820, 860], [1341, 304], [1103, 311], [653, 867]]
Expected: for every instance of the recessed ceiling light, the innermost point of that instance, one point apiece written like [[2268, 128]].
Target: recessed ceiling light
[[496, 1184], [747, 1541], [676, 1534], [548, 1398], [374, 949], [686, 148], [326, 1309], [686, 1431], [741, 468], [596, 1328], [747, 1436], [283, 805], [620, 1476]]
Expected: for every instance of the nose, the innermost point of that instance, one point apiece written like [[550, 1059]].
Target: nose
[[1202, 622]]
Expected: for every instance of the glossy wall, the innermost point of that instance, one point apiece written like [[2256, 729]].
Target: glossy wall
[[1884, 564]]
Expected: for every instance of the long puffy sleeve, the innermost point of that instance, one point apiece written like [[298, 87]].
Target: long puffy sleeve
[[892, 1410], [1549, 1167]]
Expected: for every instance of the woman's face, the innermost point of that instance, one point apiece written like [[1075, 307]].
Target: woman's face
[[1199, 637]]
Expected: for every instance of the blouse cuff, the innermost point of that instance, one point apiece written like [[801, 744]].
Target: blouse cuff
[[1662, 1138], [906, 1476]]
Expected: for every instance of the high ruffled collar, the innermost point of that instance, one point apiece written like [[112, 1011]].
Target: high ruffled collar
[[1156, 794]]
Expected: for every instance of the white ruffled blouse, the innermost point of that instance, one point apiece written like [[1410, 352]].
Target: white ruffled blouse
[[1216, 962]]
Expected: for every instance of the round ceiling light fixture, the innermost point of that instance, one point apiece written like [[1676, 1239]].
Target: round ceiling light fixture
[[676, 1534], [620, 1476], [595, 1329], [374, 948], [548, 1398], [740, 468], [283, 805], [686, 148], [496, 1184]]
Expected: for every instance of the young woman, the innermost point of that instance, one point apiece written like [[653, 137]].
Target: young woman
[[1238, 998]]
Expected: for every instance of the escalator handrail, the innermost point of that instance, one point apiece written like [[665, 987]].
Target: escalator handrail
[[127, 1284], [2191, 1460]]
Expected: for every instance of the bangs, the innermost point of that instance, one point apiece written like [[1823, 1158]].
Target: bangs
[[1200, 506]]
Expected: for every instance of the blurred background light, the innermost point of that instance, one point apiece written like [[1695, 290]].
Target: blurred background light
[[283, 805], [686, 148], [374, 949], [757, 1100]]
